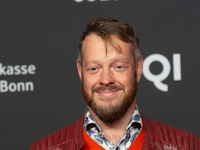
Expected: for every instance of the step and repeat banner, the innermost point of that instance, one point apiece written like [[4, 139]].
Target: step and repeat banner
[[40, 91]]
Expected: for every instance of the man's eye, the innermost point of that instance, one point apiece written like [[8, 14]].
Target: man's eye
[[119, 67], [93, 69]]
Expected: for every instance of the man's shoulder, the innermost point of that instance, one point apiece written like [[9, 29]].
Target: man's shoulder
[[162, 128], [163, 135], [58, 138]]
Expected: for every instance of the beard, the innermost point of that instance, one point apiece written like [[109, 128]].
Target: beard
[[111, 112]]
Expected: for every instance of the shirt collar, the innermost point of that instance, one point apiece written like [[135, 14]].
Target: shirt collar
[[89, 122]]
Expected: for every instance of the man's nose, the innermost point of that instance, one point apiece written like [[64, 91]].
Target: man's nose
[[106, 77]]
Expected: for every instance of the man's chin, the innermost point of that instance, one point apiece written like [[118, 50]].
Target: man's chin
[[109, 108], [106, 105], [107, 112]]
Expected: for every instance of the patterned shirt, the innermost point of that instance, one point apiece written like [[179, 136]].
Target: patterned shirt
[[132, 130]]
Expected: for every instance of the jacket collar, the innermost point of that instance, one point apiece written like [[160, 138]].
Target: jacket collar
[[74, 131]]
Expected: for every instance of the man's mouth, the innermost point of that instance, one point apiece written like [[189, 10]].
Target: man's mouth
[[107, 93]]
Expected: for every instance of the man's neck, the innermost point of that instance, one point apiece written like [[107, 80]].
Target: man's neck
[[114, 131]]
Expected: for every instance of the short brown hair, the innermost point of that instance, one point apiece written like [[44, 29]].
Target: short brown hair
[[105, 28]]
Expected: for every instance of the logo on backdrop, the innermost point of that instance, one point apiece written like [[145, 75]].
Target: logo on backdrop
[[157, 79], [16, 70], [78, 1]]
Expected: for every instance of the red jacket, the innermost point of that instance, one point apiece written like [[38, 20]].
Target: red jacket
[[157, 136]]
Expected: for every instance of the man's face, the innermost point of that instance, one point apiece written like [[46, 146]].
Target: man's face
[[109, 81]]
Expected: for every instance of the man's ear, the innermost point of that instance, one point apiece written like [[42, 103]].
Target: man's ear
[[79, 68], [139, 68]]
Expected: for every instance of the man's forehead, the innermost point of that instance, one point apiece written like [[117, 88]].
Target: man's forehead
[[94, 41]]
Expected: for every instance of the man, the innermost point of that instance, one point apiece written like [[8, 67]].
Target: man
[[109, 67]]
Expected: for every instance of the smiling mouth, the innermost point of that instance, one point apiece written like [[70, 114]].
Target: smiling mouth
[[107, 93]]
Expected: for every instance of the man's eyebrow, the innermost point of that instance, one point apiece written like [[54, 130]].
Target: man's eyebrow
[[120, 59], [112, 60], [91, 62]]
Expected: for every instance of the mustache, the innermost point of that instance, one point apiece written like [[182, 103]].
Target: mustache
[[109, 88]]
